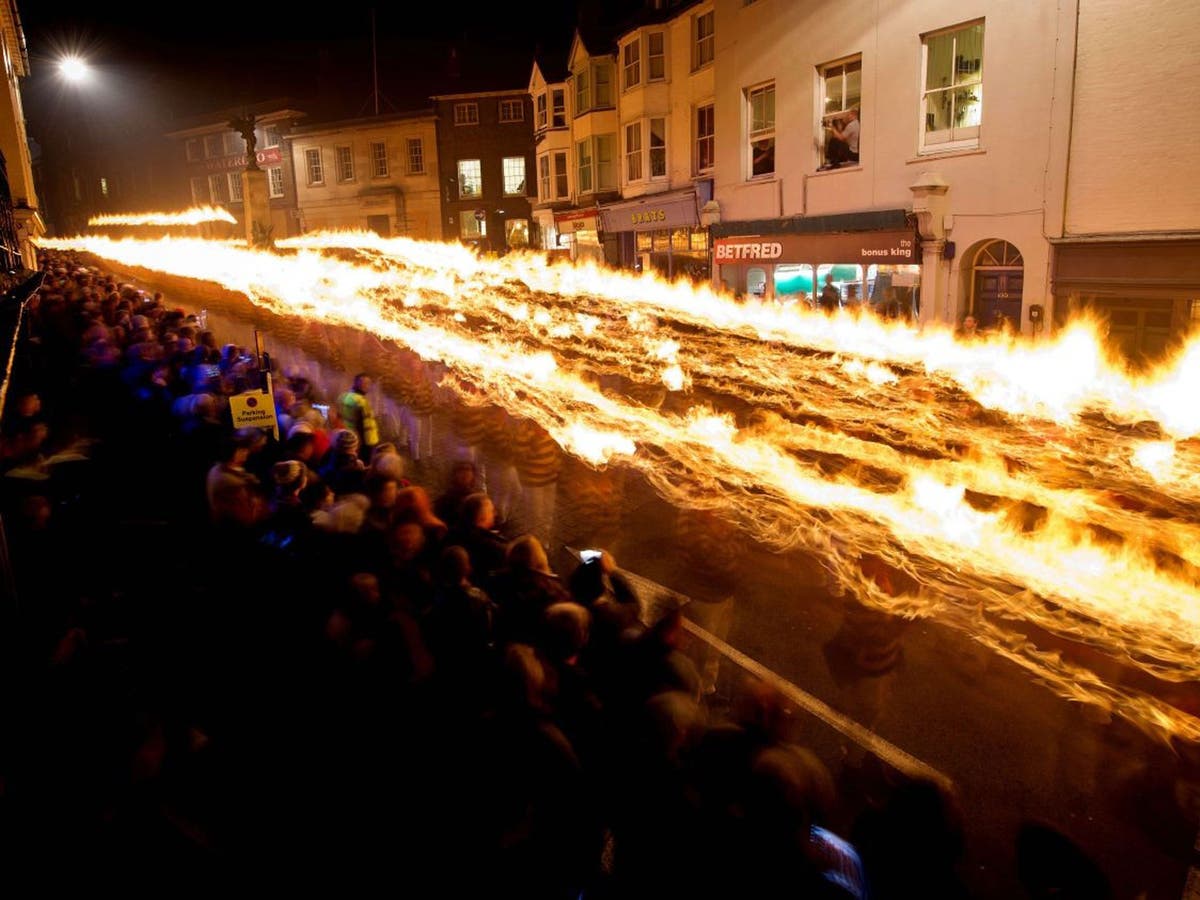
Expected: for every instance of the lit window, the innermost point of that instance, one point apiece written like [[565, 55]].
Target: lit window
[[345, 164], [416, 156], [541, 110], [466, 113], [658, 148], [235, 187], [544, 178], [633, 152], [656, 59], [560, 108], [632, 55], [761, 116], [275, 180], [952, 103], [516, 232], [312, 161], [512, 111], [702, 35], [705, 138], [219, 188], [470, 178], [470, 227], [379, 160], [514, 176], [841, 85]]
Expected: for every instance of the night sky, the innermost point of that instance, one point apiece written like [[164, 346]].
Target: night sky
[[168, 66]]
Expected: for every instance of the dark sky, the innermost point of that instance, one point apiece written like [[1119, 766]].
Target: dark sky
[[167, 62]]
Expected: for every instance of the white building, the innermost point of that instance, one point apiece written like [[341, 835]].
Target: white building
[[1130, 242], [378, 173], [27, 223], [957, 183]]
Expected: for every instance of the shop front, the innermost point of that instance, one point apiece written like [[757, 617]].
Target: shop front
[[877, 268], [579, 231], [660, 233], [1147, 292]]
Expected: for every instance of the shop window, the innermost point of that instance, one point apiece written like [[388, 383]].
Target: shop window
[[516, 232], [680, 239], [470, 227], [794, 282], [841, 86], [756, 282], [645, 241], [952, 101], [699, 240]]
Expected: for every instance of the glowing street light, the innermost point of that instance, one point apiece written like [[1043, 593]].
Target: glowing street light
[[74, 69]]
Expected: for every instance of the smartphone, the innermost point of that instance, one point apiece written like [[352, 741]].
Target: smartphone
[[590, 555]]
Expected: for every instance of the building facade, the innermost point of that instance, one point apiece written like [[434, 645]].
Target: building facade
[[554, 187], [20, 214], [379, 173], [213, 157], [485, 150], [915, 155], [1130, 243]]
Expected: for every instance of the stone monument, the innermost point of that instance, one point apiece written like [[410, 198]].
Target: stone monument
[[256, 202]]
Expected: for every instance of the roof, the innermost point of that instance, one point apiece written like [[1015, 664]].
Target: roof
[[364, 122], [647, 15], [515, 92], [265, 111]]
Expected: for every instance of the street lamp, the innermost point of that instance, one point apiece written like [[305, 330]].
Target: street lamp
[[74, 69]]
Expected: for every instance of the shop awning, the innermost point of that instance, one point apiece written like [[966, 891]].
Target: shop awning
[[671, 209]]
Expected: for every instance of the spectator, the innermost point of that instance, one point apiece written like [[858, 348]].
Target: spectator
[[357, 415]]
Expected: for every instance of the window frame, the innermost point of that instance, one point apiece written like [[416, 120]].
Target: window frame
[[462, 194], [606, 66], [651, 149], [208, 146], [541, 111], [634, 164], [343, 157], [611, 162], [523, 188], [467, 218], [558, 111], [218, 196], [379, 163], [271, 192], [583, 154], [972, 141], [268, 131], [583, 91], [651, 56], [631, 63], [700, 57], [710, 138], [824, 116], [409, 145], [313, 163], [197, 196], [508, 104], [235, 178], [466, 113], [565, 174], [543, 167], [761, 134], [196, 144]]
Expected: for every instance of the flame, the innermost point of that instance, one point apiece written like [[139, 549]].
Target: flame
[[195, 215], [1000, 476]]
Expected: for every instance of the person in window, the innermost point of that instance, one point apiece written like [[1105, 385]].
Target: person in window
[[830, 300], [841, 145]]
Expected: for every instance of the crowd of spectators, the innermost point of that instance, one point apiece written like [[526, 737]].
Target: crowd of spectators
[[236, 650]]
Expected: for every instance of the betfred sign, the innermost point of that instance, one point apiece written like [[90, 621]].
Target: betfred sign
[[271, 156], [735, 250], [862, 248]]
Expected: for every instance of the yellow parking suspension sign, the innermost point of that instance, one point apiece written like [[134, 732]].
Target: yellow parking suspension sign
[[254, 409]]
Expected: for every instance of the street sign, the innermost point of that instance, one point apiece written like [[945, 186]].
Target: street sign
[[480, 215], [255, 409]]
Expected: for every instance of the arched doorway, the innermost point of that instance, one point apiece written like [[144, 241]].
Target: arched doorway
[[997, 281]]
